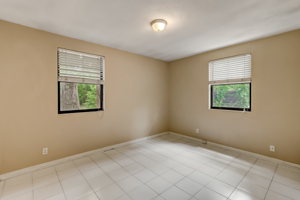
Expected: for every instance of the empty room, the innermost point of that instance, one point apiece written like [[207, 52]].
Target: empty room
[[150, 100]]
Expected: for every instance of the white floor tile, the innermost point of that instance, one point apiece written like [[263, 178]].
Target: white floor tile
[[110, 192], [172, 176], [256, 179], [285, 190], [118, 174], [42, 181], [129, 183], [124, 197], [221, 188], [200, 178], [253, 189], [159, 169], [145, 175], [109, 165], [230, 178], [99, 182], [183, 170], [189, 186], [65, 166], [159, 185], [206, 194], [288, 175], [47, 191], [133, 168], [20, 196], [142, 192], [65, 173], [44, 172], [93, 173], [1, 187], [17, 186], [245, 160], [85, 164], [174, 193], [208, 170], [90, 196], [275, 196], [242, 195], [57, 197], [72, 181], [158, 198], [76, 190]]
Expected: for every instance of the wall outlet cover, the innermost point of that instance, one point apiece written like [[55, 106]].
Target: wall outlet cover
[[272, 148], [45, 151]]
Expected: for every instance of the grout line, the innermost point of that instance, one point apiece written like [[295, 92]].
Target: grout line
[[236, 188], [194, 169], [2, 191], [85, 177], [277, 165], [157, 175], [115, 182], [32, 190], [61, 185]]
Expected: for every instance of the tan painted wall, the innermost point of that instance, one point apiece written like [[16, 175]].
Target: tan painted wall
[[275, 118], [136, 97]]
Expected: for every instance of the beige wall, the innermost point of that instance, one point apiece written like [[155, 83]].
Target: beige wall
[[136, 96], [275, 116]]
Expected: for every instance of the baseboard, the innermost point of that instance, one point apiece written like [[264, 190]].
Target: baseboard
[[73, 157], [239, 150]]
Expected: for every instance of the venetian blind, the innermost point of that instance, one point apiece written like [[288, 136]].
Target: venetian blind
[[232, 69], [80, 67]]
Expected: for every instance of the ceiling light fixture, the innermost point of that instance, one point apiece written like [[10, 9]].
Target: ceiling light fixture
[[159, 25]]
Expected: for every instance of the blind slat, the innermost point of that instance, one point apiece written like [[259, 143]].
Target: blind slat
[[80, 67], [232, 68]]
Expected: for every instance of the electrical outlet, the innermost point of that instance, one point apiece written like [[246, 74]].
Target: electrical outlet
[[197, 130], [272, 148], [45, 151]]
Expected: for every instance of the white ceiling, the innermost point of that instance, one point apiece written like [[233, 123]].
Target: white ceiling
[[194, 26]]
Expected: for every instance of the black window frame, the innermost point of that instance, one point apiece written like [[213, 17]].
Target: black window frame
[[101, 108], [231, 108]]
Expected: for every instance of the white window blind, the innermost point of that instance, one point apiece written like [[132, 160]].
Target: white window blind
[[80, 67], [232, 69]]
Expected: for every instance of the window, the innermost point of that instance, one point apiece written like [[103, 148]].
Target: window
[[80, 81], [230, 83]]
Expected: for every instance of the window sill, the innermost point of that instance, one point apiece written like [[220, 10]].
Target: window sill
[[232, 109], [80, 111]]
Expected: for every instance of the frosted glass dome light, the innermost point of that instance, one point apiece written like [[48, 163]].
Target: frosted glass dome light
[[159, 25]]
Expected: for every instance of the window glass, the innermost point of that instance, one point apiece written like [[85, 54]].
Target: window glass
[[79, 96], [231, 96]]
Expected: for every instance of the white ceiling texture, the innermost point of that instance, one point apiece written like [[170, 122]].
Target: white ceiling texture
[[194, 26]]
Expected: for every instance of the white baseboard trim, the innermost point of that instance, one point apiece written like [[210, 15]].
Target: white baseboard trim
[[239, 150], [73, 157]]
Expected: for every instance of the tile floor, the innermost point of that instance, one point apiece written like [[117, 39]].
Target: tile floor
[[163, 168]]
